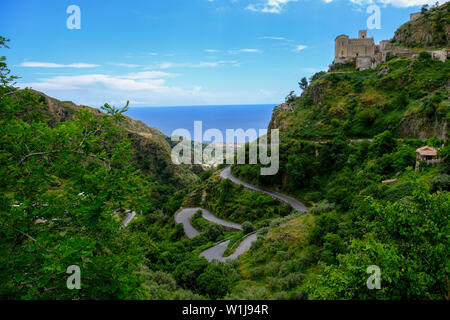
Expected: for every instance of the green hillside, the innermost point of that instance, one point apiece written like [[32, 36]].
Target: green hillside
[[341, 140], [408, 96]]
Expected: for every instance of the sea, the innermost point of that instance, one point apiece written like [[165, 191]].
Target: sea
[[169, 119]]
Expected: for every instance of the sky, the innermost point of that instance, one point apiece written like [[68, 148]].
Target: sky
[[182, 52]]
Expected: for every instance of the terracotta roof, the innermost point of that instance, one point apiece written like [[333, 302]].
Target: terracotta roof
[[427, 151]]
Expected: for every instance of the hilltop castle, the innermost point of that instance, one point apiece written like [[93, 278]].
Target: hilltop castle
[[362, 50], [365, 54]]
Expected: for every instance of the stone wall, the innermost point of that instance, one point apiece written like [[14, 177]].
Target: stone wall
[[364, 63]]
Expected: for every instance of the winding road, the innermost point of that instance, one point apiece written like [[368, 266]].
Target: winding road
[[294, 203], [184, 215], [216, 252]]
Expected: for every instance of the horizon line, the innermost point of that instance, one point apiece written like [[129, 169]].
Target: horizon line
[[209, 105]]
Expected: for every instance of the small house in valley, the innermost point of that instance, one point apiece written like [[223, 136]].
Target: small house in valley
[[427, 155]]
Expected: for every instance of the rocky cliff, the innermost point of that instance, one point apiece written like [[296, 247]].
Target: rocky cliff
[[430, 29]]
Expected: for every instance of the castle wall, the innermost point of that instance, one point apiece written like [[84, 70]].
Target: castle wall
[[365, 54], [361, 47], [364, 63], [351, 48]]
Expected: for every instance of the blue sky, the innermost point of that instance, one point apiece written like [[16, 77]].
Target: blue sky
[[182, 52]]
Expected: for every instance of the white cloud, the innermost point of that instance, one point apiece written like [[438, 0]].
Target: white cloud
[[141, 88], [250, 50], [273, 38], [83, 81], [300, 48], [211, 50], [208, 64], [95, 89], [246, 50], [149, 75], [32, 64], [269, 6], [125, 65]]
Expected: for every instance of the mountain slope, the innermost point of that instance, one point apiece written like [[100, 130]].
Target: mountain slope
[[152, 149], [408, 96]]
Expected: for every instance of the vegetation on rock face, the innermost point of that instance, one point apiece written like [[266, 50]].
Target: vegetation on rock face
[[363, 104], [430, 29]]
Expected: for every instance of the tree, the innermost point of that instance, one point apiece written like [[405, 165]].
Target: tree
[[303, 84], [440, 182], [214, 231], [247, 227], [383, 143], [445, 158], [407, 240], [214, 281], [6, 80], [424, 8], [59, 187], [291, 97]]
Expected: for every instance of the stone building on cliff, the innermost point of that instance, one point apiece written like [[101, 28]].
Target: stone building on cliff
[[362, 50], [365, 54]]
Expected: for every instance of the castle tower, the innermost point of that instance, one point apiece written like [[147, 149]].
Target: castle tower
[[362, 34], [341, 47]]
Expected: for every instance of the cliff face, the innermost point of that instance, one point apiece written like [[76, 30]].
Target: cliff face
[[430, 29], [415, 126], [406, 95], [152, 150]]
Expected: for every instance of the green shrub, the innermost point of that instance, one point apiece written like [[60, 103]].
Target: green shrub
[[198, 214], [214, 231], [440, 183], [178, 233], [400, 191], [247, 227], [335, 123], [313, 196], [321, 207], [383, 143], [445, 158]]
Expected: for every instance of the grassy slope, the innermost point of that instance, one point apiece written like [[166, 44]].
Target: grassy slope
[[152, 150]]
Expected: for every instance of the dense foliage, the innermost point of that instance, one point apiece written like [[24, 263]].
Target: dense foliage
[[402, 228]]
